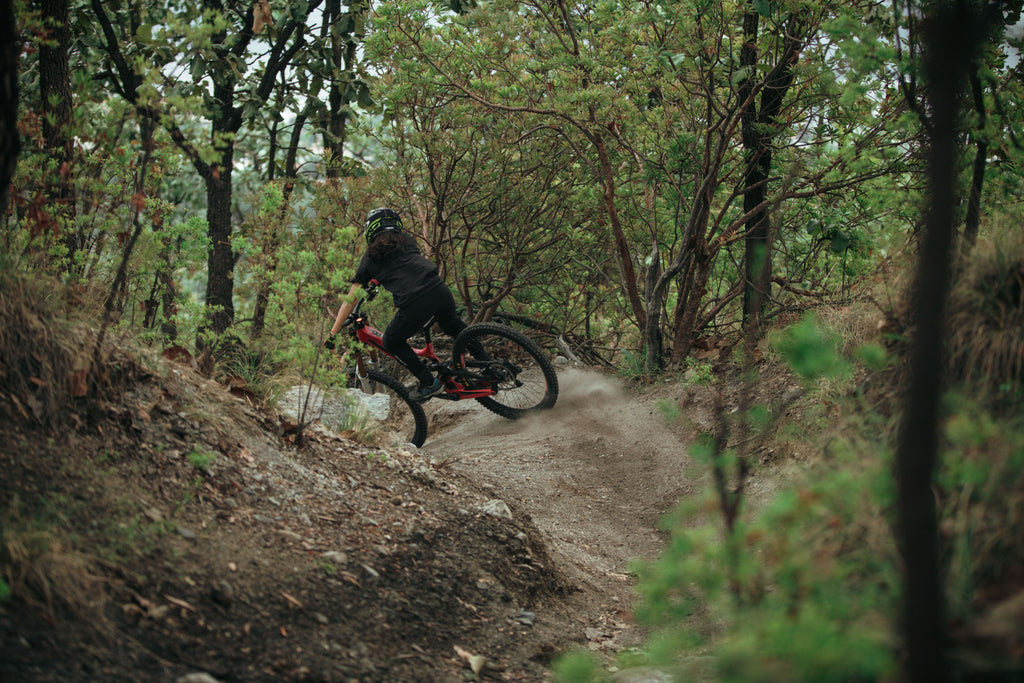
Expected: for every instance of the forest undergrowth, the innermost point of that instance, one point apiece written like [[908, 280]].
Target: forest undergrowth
[[804, 583]]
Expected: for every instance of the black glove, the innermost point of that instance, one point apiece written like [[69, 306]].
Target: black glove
[[329, 342]]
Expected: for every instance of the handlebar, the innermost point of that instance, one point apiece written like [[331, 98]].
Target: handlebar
[[356, 314]]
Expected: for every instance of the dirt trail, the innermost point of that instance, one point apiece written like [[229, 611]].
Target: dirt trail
[[595, 474]]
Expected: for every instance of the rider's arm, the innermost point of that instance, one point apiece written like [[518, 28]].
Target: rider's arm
[[346, 307]]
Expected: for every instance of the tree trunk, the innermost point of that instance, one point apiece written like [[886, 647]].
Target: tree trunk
[[55, 105], [220, 282], [343, 55], [623, 255], [691, 295], [758, 135], [954, 35], [759, 127], [334, 137], [757, 258], [653, 341], [973, 218], [10, 142]]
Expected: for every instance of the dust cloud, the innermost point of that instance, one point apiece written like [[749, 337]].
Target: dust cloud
[[595, 473]]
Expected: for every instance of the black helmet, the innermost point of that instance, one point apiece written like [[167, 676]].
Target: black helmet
[[381, 219]]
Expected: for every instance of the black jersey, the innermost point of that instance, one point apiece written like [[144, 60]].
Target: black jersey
[[407, 275]]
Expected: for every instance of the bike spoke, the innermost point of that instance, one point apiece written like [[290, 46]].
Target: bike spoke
[[513, 365], [399, 420]]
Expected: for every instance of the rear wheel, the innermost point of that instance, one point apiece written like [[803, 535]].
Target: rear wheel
[[398, 419], [519, 371]]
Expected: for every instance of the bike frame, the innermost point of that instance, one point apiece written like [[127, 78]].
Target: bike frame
[[453, 379]]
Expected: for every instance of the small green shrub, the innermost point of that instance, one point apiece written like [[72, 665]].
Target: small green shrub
[[632, 365], [578, 667], [201, 459], [979, 482], [811, 350], [802, 586], [699, 372], [801, 590]]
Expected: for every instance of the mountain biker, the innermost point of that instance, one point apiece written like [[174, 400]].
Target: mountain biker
[[394, 260]]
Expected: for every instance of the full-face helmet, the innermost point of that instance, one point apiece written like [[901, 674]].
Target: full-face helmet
[[379, 220]]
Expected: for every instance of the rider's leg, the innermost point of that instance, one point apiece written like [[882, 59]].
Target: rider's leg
[[403, 326], [449, 321]]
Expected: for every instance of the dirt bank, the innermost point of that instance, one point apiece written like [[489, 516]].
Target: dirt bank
[[188, 534]]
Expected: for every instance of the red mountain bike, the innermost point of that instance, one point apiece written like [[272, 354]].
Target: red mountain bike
[[515, 380]]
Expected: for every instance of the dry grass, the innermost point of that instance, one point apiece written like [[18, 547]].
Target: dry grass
[[44, 356], [42, 570], [986, 314]]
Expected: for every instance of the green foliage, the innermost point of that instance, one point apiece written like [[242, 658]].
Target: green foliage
[[578, 667], [699, 372], [671, 115], [795, 592], [804, 584], [810, 350], [669, 410], [201, 458], [632, 365], [873, 356], [982, 472]]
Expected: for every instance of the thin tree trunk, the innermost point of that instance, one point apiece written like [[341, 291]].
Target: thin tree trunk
[[686, 323], [757, 259], [334, 136], [653, 341], [622, 252], [220, 283], [55, 105], [758, 135], [221, 260], [10, 142], [973, 218]]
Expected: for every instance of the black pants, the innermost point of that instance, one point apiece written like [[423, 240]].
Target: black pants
[[439, 302]]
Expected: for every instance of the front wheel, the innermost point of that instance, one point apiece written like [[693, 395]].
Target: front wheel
[[520, 373], [398, 418]]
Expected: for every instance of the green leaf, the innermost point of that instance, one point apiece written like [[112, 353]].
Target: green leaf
[[144, 33], [740, 75], [198, 67], [840, 241], [365, 98]]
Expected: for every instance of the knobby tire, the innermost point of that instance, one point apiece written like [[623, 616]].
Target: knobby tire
[[406, 420], [505, 344]]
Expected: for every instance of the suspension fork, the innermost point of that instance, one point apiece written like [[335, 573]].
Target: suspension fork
[[362, 365]]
